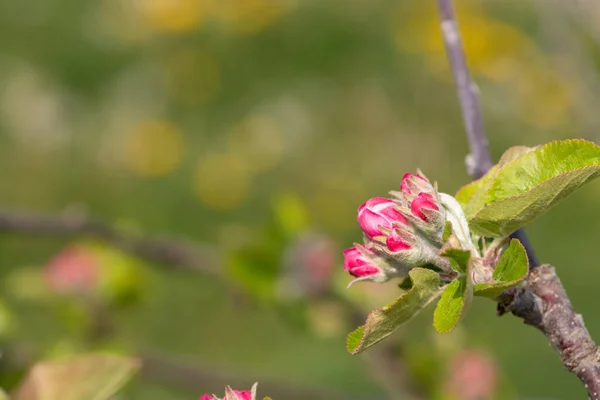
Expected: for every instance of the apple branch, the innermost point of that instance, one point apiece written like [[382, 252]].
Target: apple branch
[[479, 161], [543, 302]]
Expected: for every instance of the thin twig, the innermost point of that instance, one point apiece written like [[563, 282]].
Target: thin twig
[[168, 251], [480, 159], [543, 302]]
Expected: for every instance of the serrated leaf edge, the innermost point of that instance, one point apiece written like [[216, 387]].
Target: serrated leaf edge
[[359, 348]]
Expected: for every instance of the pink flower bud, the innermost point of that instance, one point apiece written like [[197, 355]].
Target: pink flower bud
[[243, 394], [379, 213], [231, 394], [396, 243], [422, 203], [358, 265], [413, 184]]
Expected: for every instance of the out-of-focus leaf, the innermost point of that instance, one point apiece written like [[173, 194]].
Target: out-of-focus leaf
[[85, 377], [383, 322], [511, 269]]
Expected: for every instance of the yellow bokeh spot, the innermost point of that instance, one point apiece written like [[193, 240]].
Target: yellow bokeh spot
[[222, 181], [260, 140], [174, 16], [545, 98], [493, 48], [192, 76], [251, 16], [291, 214], [153, 148]]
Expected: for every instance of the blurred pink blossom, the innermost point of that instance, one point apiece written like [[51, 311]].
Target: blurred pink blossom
[[473, 376]]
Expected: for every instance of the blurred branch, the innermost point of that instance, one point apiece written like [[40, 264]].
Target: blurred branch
[[168, 251], [480, 160], [161, 369], [543, 302], [545, 305], [171, 371]]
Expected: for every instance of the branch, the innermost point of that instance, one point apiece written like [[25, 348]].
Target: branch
[[543, 302], [479, 161], [168, 251], [545, 305]]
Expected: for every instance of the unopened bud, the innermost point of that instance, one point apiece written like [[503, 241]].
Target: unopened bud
[[364, 263], [378, 213]]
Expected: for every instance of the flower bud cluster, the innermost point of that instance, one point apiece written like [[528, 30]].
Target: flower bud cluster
[[401, 232]]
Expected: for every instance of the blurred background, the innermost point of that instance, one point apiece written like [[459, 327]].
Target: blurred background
[[178, 179]]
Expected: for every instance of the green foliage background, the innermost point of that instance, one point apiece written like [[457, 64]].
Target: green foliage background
[[238, 124]]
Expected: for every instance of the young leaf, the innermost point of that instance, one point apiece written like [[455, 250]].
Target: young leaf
[[450, 308], [511, 269], [86, 377], [466, 194], [457, 294], [526, 186], [383, 322], [459, 259]]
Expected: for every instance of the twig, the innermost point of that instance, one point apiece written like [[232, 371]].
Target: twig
[[543, 302], [545, 305], [480, 160], [172, 252]]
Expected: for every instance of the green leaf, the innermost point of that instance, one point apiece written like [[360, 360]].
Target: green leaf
[[466, 194], [458, 293], [85, 377], [526, 184], [511, 269], [451, 306], [383, 322], [459, 259]]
